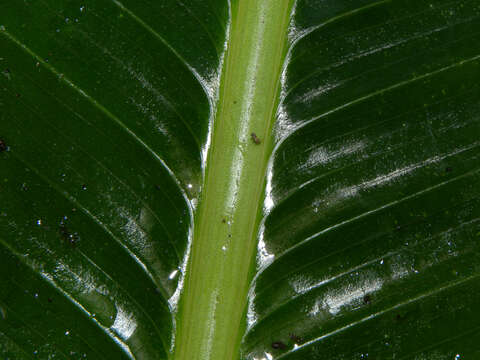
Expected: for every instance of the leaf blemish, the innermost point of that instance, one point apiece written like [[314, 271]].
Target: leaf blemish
[[67, 236], [367, 300], [295, 338], [255, 139], [279, 345], [3, 146]]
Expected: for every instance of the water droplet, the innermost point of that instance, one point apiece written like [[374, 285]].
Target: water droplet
[[381, 262], [2, 28], [35, 352], [82, 8], [84, 187], [67, 333], [39, 222], [67, 20], [189, 186], [173, 274], [58, 30], [36, 295], [224, 248], [457, 356]]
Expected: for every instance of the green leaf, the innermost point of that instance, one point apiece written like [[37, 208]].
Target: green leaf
[[141, 219]]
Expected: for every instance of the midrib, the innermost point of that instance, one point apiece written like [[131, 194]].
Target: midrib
[[211, 321]]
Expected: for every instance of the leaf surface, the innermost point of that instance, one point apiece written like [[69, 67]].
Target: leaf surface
[[370, 243]]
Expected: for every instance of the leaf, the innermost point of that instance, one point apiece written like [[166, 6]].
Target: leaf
[[134, 197]]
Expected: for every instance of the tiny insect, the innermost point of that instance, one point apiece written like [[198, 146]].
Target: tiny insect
[[295, 338], [255, 138], [367, 300], [3, 146], [279, 345], [67, 236]]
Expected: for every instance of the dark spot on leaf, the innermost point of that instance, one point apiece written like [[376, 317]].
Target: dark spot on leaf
[[448, 169], [49, 300], [255, 138], [68, 237], [18, 95], [224, 220], [367, 300], [3, 146], [279, 345], [295, 338]]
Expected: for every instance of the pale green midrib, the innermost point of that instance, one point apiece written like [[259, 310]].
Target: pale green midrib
[[210, 321]]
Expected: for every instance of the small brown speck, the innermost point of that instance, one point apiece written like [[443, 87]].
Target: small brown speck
[[296, 339], [49, 300], [279, 345], [448, 169], [18, 95], [67, 236], [3, 146], [367, 300], [255, 139]]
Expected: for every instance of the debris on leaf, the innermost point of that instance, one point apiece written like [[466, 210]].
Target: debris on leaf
[[279, 345], [255, 138], [3, 146]]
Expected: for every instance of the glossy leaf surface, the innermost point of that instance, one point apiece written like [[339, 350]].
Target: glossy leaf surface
[[371, 244], [105, 112], [368, 244]]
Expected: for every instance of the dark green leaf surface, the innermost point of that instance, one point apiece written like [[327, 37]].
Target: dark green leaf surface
[[370, 248], [105, 109]]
